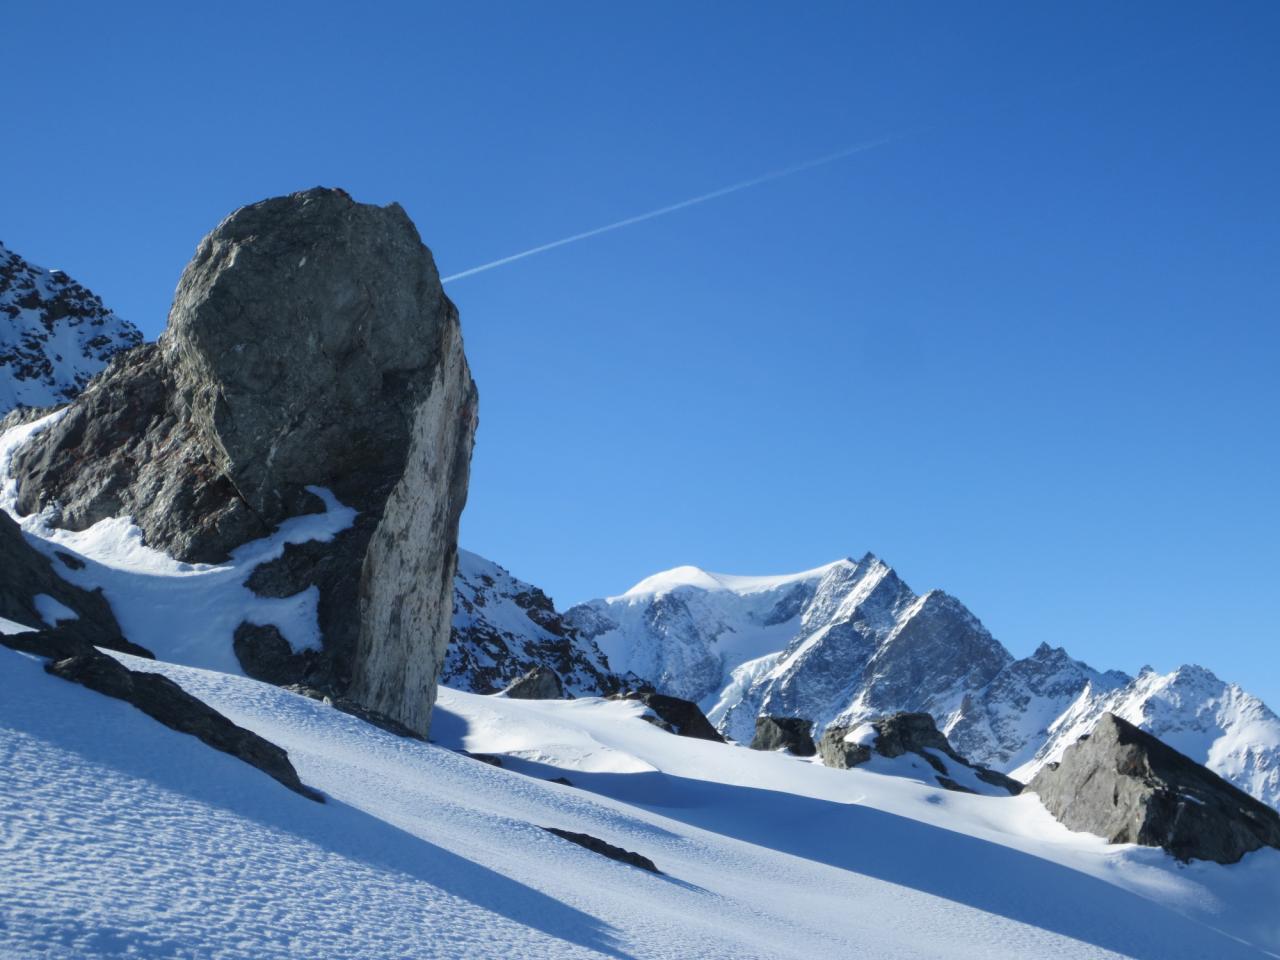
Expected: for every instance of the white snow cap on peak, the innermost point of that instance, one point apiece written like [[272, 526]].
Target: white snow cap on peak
[[696, 578]]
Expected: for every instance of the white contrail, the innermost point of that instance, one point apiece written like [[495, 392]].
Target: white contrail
[[673, 207]]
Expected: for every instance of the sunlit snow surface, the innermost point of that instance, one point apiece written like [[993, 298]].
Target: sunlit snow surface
[[120, 837], [182, 612]]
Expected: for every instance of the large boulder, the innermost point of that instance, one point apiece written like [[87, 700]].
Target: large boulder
[[540, 683], [310, 348], [794, 734], [1124, 785]]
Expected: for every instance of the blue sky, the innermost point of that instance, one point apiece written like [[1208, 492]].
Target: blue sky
[[1026, 351]]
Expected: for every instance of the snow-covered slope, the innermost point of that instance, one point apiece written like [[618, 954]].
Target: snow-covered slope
[[124, 838], [54, 335], [851, 640], [504, 627]]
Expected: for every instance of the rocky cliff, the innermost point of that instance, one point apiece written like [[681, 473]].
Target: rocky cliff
[[504, 627], [310, 353]]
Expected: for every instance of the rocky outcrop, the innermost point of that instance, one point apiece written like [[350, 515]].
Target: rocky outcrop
[[503, 627], [844, 748], [160, 698], [55, 335], [32, 593], [904, 733], [681, 717], [793, 734], [310, 348], [540, 683], [1124, 785], [596, 845]]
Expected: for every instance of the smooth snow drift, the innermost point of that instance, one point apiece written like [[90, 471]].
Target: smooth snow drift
[[125, 838]]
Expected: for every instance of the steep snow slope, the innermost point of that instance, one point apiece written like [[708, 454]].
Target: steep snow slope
[[125, 838], [54, 334], [503, 627], [851, 641]]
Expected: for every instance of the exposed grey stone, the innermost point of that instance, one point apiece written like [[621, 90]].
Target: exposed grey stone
[[681, 717], [29, 573], [1124, 785], [540, 683], [266, 655], [836, 752], [406, 584], [596, 845], [309, 345], [794, 734]]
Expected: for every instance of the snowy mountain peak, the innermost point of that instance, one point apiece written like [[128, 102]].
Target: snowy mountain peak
[[55, 334], [695, 578], [849, 641]]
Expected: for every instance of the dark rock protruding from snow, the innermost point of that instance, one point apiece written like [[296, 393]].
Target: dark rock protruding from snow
[[310, 352], [32, 593], [540, 683], [901, 733], [681, 717], [794, 734], [596, 845], [160, 698], [55, 335], [504, 627], [1124, 785], [840, 747]]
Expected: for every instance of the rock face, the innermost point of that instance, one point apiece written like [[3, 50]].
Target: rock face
[[309, 346], [504, 627], [540, 683], [793, 734], [54, 335], [1123, 784], [32, 593]]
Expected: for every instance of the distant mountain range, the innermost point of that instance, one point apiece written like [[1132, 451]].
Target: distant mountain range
[[836, 645], [849, 641], [54, 334]]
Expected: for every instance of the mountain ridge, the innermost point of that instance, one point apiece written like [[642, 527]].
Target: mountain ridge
[[851, 640], [55, 334]]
